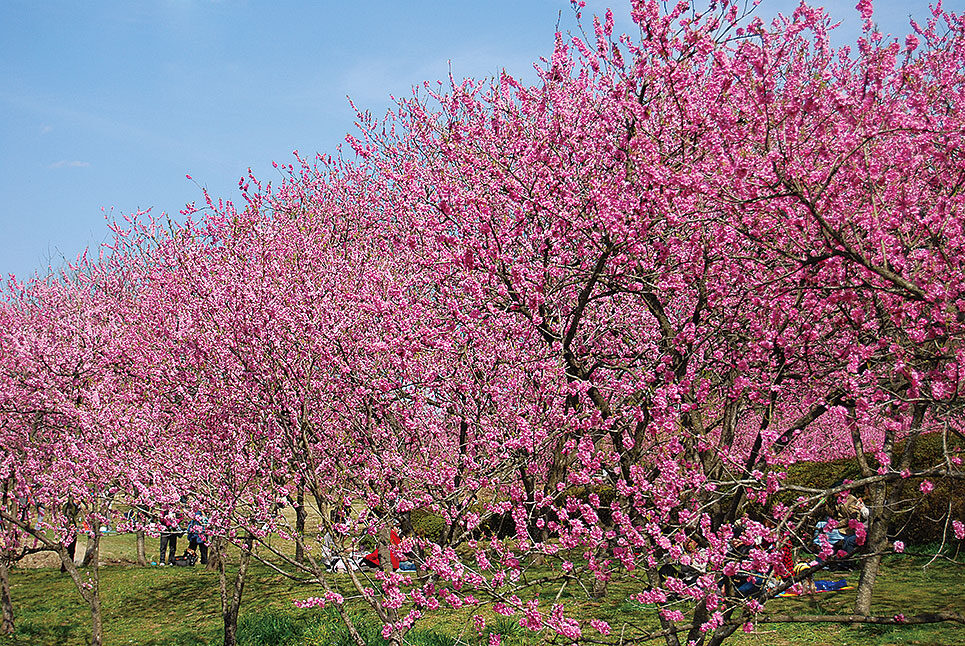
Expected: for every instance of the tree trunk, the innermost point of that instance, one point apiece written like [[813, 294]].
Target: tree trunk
[[89, 590], [671, 639], [89, 551], [6, 628], [300, 522], [215, 558], [71, 550], [97, 628], [877, 542], [385, 562], [599, 588], [96, 623], [231, 605], [701, 615], [141, 554], [881, 514], [230, 630]]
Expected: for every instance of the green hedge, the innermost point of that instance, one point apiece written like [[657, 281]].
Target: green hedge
[[919, 519], [427, 524]]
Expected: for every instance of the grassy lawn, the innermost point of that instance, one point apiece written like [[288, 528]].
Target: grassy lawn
[[180, 606]]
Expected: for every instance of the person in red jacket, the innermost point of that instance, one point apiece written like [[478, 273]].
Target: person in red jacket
[[372, 560]]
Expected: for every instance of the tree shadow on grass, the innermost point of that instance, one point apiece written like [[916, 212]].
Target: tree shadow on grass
[[181, 607], [187, 638], [40, 633]]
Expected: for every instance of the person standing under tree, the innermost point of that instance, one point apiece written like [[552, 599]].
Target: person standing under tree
[[170, 530], [197, 540]]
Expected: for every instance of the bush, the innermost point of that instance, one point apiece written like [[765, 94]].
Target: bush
[[427, 524], [430, 525], [918, 519]]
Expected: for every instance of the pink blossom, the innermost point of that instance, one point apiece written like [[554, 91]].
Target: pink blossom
[[600, 626]]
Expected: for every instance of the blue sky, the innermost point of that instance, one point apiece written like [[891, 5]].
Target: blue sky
[[108, 105]]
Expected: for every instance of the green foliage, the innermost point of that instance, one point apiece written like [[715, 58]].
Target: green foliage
[[428, 524], [430, 638], [327, 629], [507, 628], [269, 628], [186, 638], [434, 527]]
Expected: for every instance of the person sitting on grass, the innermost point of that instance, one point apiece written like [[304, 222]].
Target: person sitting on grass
[[836, 537], [806, 585], [372, 560]]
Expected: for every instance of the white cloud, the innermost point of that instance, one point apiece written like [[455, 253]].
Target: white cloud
[[46, 129], [64, 163]]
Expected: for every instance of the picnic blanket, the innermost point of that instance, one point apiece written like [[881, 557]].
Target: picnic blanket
[[822, 586]]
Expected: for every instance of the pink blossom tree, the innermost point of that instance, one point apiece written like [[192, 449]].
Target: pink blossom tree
[[615, 217], [66, 406], [587, 323]]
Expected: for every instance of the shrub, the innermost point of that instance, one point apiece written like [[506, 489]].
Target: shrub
[[922, 523], [427, 524]]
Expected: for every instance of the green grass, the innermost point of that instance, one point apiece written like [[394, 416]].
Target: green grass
[[181, 607]]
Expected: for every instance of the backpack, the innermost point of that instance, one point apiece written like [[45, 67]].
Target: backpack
[[188, 559]]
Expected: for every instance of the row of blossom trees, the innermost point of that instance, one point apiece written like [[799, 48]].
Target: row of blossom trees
[[584, 323]]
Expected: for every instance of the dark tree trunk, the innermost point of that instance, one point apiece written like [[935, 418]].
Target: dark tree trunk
[[6, 628], [877, 542], [71, 551], [881, 514], [89, 552], [300, 522], [599, 588], [215, 557], [231, 599]]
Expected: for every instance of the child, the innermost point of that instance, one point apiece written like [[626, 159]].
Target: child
[[807, 584]]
